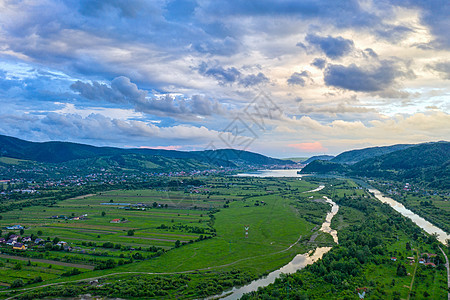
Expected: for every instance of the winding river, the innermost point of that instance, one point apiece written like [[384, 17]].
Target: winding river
[[300, 261], [418, 220]]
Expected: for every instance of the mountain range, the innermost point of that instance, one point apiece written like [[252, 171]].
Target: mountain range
[[427, 162], [64, 152]]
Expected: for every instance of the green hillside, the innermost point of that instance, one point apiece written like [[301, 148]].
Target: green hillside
[[354, 156], [65, 152]]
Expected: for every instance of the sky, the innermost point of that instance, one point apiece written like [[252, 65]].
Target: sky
[[283, 78]]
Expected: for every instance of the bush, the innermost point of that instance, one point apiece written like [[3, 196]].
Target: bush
[[72, 272], [17, 283]]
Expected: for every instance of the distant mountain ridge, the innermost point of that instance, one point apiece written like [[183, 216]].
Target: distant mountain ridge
[[427, 162], [60, 152], [354, 156], [318, 157]]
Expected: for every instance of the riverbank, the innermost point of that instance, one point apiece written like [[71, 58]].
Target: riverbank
[[299, 262], [418, 220]]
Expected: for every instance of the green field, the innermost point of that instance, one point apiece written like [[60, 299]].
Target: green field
[[370, 233], [208, 222]]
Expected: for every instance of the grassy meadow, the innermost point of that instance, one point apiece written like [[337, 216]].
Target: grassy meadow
[[177, 228]]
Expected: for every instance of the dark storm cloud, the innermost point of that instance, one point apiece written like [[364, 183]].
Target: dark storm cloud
[[123, 91], [333, 47], [365, 79], [298, 78]]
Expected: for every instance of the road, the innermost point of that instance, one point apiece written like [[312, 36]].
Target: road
[[414, 275], [448, 271]]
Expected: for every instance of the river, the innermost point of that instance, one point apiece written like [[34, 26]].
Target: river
[[301, 260], [271, 173], [418, 220]]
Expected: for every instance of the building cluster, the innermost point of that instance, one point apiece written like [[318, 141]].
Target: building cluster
[[19, 243], [63, 217]]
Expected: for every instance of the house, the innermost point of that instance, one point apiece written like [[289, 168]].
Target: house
[[115, 221], [2, 241], [38, 240], [10, 242], [61, 243], [394, 258], [26, 239], [15, 227], [19, 246], [14, 237], [430, 264], [410, 258], [421, 261]]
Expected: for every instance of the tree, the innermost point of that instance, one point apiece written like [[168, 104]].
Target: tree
[[39, 232], [408, 246], [130, 232], [103, 213], [22, 231], [17, 283], [18, 266], [401, 270], [177, 244]]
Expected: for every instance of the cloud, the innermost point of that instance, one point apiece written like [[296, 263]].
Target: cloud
[[442, 68], [298, 78], [228, 76], [319, 63], [98, 129], [123, 91], [309, 147], [251, 80], [222, 47], [435, 15], [172, 147], [371, 78], [333, 47], [223, 76]]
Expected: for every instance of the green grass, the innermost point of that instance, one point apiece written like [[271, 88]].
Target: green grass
[[11, 161], [275, 223]]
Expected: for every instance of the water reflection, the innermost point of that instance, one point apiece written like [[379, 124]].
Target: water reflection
[[421, 222], [299, 262], [271, 173]]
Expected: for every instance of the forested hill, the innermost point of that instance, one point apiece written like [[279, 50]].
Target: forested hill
[[318, 157], [428, 162], [59, 152], [354, 156], [419, 156]]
